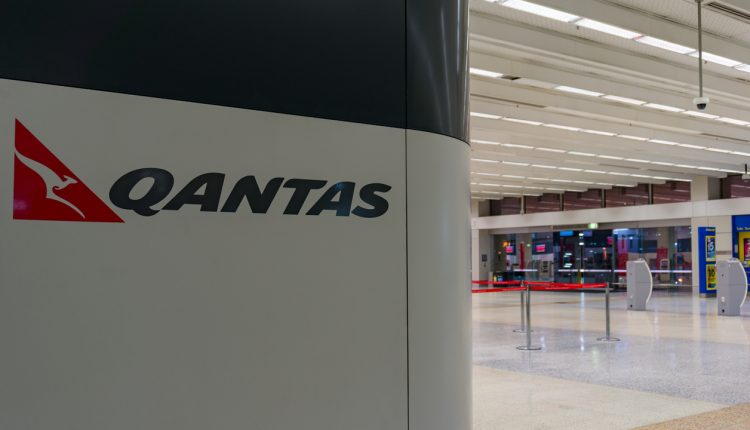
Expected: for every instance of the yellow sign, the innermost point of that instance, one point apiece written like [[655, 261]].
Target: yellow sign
[[710, 277]]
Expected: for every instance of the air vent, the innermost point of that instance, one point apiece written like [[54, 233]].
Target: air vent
[[729, 11]]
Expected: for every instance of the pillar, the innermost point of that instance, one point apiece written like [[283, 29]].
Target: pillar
[[233, 215]]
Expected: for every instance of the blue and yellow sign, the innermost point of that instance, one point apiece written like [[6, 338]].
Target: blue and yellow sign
[[707, 259]]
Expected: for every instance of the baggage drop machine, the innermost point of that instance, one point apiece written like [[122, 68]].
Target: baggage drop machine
[[731, 287], [640, 284]]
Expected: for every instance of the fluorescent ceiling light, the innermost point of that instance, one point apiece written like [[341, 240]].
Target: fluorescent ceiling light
[[637, 160], [624, 100], [515, 145], [522, 121], [601, 133], [639, 176], [662, 163], [486, 184], [555, 189], [513, 163], [663, 107], [686, 166], [488, 174], [512, 186], [610, 157], [559, 151], [618, 173], [534, 188], [485, 73], [663, 142], [663, 44], [732, 121], [687, 145], [606, 28], [544, 11], [700, 114], [571, 169], [723, 151], [744, 67], [606, 184], [485, 142], [578, 91], [744, 154], [543, 166], [584, 182], [718, 59], [601, 172], [567, 181], [483, 160], [626, 185], [538, 179], [490, 192], [514, 176], [534, 83], [561, 127], [485, 115], [708, 168], [627, 136], [583, 154]]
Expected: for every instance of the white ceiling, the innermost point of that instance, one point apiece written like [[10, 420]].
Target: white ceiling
[[547, 140]]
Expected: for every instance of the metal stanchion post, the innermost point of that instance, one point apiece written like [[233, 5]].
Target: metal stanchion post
[[523, 314], [608, 337], [528, 346]]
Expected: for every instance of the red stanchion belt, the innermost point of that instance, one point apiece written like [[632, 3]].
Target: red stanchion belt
[[535, 286]]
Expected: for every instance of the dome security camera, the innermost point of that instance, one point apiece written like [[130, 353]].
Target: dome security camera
[[701, 102]]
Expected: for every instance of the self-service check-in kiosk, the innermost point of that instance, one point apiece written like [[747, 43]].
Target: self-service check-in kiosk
[[731, 286], [640, 284]]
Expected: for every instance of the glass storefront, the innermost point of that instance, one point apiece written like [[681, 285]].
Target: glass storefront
[[594, 255]]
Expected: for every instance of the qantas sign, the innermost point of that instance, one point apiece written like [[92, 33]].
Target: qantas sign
[[45, 189]]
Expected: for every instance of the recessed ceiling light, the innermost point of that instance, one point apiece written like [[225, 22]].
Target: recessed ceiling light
[[515, 145], [606, 28], [485, 115], [522, 121], [700, 114], [663, 107], [578, 91], [663, 142], [691, 146], [485, 73], [723, 151], [718, 59], [485, 142], [544, 11], [732, 121], [551, 150], [484, 160], [627, 136], [601, 133], [582, 154], [624, 100], [663, 44], [561, 127]]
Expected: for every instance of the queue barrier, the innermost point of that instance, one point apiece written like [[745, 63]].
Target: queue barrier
[[526, 287]]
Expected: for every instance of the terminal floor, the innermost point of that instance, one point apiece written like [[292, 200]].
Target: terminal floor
[[676, 359]]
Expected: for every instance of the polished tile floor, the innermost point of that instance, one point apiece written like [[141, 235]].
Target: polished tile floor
[[676, 359]]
